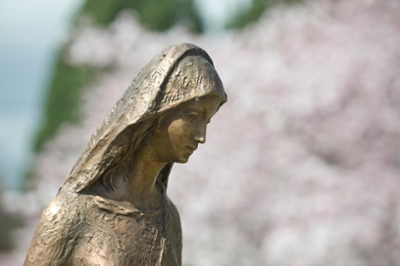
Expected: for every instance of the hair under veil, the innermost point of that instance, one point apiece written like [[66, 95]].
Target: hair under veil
[[158, 87]]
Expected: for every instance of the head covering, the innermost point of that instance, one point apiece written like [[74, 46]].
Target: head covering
[[158, 87]]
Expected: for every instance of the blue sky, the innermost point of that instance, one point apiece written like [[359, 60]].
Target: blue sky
[[30, 31]]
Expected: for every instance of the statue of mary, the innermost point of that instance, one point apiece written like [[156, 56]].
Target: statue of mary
[[114, 209]]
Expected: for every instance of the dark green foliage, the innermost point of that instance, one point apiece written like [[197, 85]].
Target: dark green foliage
[[156, 15], [62, 104], [257, 8]]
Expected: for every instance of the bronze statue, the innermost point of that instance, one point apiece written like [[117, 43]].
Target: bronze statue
[[113, 208]]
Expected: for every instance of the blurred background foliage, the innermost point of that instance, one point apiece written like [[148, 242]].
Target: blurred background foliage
[[249, 15], [156, 15], [62, 104], [9, 221]]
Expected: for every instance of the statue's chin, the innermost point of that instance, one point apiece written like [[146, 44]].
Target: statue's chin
[[183, 159]]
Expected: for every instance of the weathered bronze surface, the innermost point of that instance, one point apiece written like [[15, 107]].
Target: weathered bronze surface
[[113, 209]]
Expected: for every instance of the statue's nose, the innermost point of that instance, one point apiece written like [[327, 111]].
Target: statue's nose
[[201, 134]]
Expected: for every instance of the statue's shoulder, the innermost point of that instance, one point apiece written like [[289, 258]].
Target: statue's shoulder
[[173, 214], [58, 230], [171, 206], [64, 208]]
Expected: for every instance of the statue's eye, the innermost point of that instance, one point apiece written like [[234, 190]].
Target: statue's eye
[[193, 116]]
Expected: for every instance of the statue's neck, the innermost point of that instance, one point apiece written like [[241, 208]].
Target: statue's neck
[[134, 181], [143, 174]]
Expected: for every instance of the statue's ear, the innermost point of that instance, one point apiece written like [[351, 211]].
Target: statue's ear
[[164, 174], [159, 123]]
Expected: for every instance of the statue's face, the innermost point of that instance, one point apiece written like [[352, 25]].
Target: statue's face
[[183, 128]]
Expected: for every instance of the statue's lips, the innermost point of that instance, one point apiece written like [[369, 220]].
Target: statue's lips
[[192, 147]]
